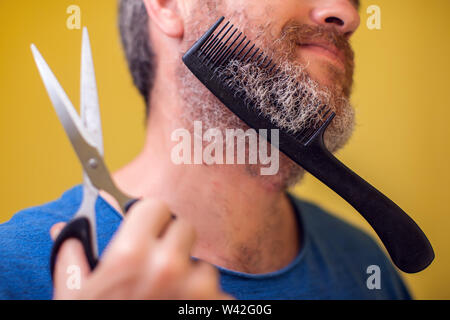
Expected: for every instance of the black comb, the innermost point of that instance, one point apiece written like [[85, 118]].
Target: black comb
[[407, 245]]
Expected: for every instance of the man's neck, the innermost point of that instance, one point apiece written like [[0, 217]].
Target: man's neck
[[240, 224]]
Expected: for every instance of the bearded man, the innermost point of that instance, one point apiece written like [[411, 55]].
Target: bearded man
[[238, 233]]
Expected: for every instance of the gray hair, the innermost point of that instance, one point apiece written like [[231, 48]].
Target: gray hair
[[133, 25]]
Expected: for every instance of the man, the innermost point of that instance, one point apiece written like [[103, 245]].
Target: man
[[265, 243]]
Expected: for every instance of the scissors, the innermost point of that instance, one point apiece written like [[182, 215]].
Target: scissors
[[85, 134]]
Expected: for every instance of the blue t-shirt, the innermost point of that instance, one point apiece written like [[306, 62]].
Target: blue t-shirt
[[332, 262]]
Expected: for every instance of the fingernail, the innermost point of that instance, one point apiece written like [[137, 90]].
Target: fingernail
[[56, 229]]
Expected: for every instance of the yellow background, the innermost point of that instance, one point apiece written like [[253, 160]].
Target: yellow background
[[401, 98]]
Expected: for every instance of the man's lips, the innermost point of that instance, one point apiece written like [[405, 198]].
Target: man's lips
[[325, 49]]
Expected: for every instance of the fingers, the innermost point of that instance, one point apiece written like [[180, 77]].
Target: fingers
[[71, 268], [149, 257], [179, 237], [203, 283], [56, 229], [145, 221], [143, 224], [168, 262]]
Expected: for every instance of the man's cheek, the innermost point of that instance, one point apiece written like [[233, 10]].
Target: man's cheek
[[323, 73]]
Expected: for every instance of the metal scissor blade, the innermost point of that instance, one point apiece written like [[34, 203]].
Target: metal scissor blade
[[90, 117], [62, 104], [87, 210], [90, 111], [82, 142]]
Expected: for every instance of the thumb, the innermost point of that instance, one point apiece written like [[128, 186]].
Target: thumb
[[71, 267]]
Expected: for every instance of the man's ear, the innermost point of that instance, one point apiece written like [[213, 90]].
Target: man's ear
[[165, 15]]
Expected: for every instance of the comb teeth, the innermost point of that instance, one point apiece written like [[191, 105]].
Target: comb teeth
[[304, 135], [215, 49], [228, 44]]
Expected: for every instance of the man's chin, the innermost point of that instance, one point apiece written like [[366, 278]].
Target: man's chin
[[326, 73], [201, 105], [289, 174]]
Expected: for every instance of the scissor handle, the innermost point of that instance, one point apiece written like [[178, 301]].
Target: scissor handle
[[78, 228], [129, 204]]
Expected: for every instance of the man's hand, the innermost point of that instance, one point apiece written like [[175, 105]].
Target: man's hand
[[148, 258]]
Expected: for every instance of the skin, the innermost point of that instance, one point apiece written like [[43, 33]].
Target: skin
[[240, 222]]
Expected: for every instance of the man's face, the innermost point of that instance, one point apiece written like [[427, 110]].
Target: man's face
[[308, 37], [313, 33]]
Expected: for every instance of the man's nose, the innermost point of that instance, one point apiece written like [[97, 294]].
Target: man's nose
[[342, 15]]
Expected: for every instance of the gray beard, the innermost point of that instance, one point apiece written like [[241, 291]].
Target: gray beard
[[199, 104]]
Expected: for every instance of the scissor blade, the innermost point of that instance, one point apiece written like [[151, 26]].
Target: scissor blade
[[62, 104], [90, 117], [90, 111], [87, 210], [83, 144]]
